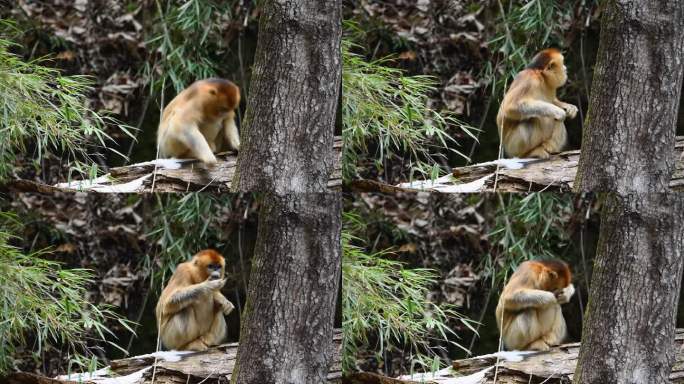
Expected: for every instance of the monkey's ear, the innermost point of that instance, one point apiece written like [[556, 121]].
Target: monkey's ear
[[553, 274], [212, 91]]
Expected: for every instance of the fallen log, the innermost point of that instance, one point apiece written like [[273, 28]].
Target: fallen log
[[167, 175], [555, 174], [172, 367], [556, 366]]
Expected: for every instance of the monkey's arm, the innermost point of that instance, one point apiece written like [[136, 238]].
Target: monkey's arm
[[183, 297], [528, 108], [563, 295], [221, 302], [528, 298], [191, 137], [570, 110], [230, 132]]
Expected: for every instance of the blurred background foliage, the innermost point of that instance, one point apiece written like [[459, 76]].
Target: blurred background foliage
[[45, 303]]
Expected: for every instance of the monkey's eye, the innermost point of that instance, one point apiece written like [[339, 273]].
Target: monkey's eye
[[214, 267]]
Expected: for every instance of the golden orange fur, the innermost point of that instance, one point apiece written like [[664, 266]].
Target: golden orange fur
[[190, 312], [528, 314], [530, 119], [200, 121]]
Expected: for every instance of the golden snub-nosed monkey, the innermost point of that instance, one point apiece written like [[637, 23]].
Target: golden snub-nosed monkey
[[530, 119], [190, 312], [200, 121], [529, 312]]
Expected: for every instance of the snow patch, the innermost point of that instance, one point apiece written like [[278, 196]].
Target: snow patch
[[510, 355], [446, 376], [446, 184], [170, 356], [131, 186], [425, 184], [132, 378], [84, 376], [96, 185], [84, 184], [167, 163], [98, 377], [472, 187], [449, 376], [514, 163]]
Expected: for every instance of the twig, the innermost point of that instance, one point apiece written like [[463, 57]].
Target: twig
[[481, 125]]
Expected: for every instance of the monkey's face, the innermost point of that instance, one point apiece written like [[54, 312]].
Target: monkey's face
[[220, 99], [226, 97], [553, 280], [556, 72], [214, 271], [211, 264]]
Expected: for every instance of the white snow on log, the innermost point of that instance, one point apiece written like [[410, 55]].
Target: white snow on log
[[96, 185], [131, 186], [132, 378], [510, 355], [473, 186], [514, 163], [446, 184], [84, 184], [102, 183], [99, 376], [449, 184], [170, 356], [166, 163], [448, 376], [85, 375], [426, 184]]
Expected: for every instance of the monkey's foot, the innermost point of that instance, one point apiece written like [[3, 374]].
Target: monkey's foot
[[209, 160], [196, 345], [538, 152], [538, 345]]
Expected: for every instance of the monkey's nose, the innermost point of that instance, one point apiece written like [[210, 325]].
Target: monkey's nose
[[215, 275]]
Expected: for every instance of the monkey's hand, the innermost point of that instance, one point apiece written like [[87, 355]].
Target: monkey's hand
[[227, 307], [558, 113], [215, 284], [222, 304], [563, 295], [570, 110]]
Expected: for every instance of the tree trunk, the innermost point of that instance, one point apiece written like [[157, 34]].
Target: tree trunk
[[287, 138], [628, 143], [287, 326], [630, 319]]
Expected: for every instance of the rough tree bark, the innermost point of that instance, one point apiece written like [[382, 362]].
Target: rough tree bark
[[627, 146], [287, 140], [627, 153], [287, 326], [630, 319]]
